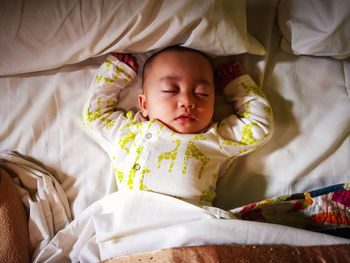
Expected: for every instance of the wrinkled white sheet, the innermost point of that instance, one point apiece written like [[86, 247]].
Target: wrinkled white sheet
[[128, 222], [40, 35], [310, 99], [42, 195]]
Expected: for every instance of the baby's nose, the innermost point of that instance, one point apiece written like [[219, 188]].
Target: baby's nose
[[187, 100]]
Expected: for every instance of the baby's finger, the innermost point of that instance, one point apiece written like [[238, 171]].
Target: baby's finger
[[133, 65], [115, 54], [127, 58]]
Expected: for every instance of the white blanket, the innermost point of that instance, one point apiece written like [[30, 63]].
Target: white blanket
[[128, 222]]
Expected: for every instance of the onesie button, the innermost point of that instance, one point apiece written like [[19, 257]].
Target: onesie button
[[137, 167], [149, 135]]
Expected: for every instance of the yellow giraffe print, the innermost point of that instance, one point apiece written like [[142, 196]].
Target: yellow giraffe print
[[170, 155], [247, 134], [119, 175], [247, 114], [108, 65], [97, 114], [253, 89], [160, 128], [256, 90], [207, 196], [142, 185], [132, 172], [128, 125], [268, 110], [83, 115], [193, 152], [130, 115], [119, 72], [125, 140], [247, 137], [151, 122]]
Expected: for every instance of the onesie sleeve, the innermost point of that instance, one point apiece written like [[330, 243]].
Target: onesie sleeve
[[100, 114], [251, 125]]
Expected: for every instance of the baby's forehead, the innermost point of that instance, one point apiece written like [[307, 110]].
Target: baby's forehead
[[189, 54], [173, 56], [155, 62]]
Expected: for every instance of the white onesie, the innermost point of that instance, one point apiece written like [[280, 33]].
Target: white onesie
[[147, 155]]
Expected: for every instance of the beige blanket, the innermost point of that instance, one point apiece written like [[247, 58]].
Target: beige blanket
[[14, 245], [235, 253]]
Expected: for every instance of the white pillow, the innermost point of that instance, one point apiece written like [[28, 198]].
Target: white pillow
[[43, 34], [315, 27]]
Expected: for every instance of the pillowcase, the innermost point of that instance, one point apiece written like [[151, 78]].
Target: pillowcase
[[315, 27], [44, 34]]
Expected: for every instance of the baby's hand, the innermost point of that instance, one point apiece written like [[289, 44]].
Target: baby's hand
[[225, 73], [128, 59]]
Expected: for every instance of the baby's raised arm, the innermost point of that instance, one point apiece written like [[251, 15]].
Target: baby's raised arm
[[251, 125], [100, 114]]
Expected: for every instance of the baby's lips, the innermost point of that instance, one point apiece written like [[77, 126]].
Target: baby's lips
[[185, 117]]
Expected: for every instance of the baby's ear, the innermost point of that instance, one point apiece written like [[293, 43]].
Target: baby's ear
[[143, 105]]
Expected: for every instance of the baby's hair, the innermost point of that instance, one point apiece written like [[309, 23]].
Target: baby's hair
[[149, 61]]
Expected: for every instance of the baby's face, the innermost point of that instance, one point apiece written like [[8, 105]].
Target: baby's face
[[179, 91]]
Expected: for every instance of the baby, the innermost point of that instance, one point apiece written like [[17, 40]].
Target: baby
[[171, 146]]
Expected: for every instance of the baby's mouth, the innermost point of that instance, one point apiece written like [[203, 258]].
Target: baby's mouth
[[185, 118]]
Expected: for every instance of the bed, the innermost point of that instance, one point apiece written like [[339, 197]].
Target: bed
[[61, 181]]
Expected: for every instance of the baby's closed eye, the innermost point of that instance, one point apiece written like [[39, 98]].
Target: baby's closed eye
[[201, 91], [171, 88]]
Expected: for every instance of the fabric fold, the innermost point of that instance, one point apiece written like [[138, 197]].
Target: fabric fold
[[42, 195]]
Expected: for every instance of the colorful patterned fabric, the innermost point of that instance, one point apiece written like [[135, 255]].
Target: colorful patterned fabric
[[325, 208]]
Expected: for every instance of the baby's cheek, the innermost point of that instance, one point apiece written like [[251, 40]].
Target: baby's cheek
[[158, 111]]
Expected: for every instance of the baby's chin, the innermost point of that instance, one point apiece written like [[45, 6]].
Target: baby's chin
[[188, 130], [185, 129]]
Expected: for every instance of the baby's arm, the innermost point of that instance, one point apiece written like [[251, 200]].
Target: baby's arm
[[252, 124], [100, 115]]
